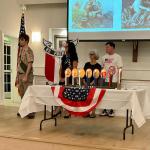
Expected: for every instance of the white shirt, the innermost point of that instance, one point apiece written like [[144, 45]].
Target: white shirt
[[114, 62]]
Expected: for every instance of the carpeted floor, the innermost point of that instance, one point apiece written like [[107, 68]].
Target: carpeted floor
[[101, 133]]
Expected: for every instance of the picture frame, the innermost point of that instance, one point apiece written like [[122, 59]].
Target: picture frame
[[58, 39]]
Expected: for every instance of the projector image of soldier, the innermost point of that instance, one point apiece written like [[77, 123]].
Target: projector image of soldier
[[141, 12], [93, 9]]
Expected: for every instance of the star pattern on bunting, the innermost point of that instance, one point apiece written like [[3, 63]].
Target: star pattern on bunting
[[76, 94]]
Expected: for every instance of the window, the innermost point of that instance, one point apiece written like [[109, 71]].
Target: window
[[7, 71]]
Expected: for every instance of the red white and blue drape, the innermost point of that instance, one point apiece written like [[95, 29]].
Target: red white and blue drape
[[78, 101]]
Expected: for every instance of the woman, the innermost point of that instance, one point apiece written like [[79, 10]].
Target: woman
[[66, 62], [92, 65]]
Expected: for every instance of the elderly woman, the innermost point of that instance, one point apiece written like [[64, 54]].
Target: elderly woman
[[92, 65]]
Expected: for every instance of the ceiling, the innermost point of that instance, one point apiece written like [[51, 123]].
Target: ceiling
[[32, 2]]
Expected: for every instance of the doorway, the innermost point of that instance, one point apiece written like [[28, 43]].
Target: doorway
[[7, 71], [10, 49]]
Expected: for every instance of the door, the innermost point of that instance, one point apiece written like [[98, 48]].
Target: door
[[1, 67], [7, 71]]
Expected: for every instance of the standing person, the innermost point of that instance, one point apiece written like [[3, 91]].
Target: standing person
[[66, 62], [24, 68], [92, 65], [113, 60]]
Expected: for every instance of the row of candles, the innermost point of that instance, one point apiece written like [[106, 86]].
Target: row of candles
[[81, 73]]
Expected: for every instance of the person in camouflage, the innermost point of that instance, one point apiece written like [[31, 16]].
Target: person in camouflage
[[24, 68]]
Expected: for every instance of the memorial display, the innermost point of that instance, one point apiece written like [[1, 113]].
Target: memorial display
[[99, 77]]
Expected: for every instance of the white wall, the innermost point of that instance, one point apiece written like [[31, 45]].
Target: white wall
[[41, 18], [10, 13]]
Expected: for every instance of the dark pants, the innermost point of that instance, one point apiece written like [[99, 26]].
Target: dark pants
[[113, 86]]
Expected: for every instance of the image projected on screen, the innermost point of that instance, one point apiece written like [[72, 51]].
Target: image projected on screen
[[92, 14], [135, 14], [108, 19]]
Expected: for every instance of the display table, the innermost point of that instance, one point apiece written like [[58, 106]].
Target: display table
[[38, 97]]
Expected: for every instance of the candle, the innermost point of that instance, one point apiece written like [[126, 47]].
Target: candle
[[67, 75], [88, 81], [110, 80], [103, 76], [82, 75], [65, 80], [103, 73], [95, 81], [96, 75], [79, 79], [73, 81], [119, 80], [74, 76]]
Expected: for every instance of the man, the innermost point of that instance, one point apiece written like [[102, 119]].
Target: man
[[24, 68], [113, 61]]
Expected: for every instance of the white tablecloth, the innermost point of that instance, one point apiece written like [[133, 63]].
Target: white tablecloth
[[37, 96]]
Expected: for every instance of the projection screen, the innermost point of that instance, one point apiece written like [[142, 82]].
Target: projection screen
[[108, 19]]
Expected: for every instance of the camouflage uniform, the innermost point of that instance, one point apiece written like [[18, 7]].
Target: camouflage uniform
[[25, 56]]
